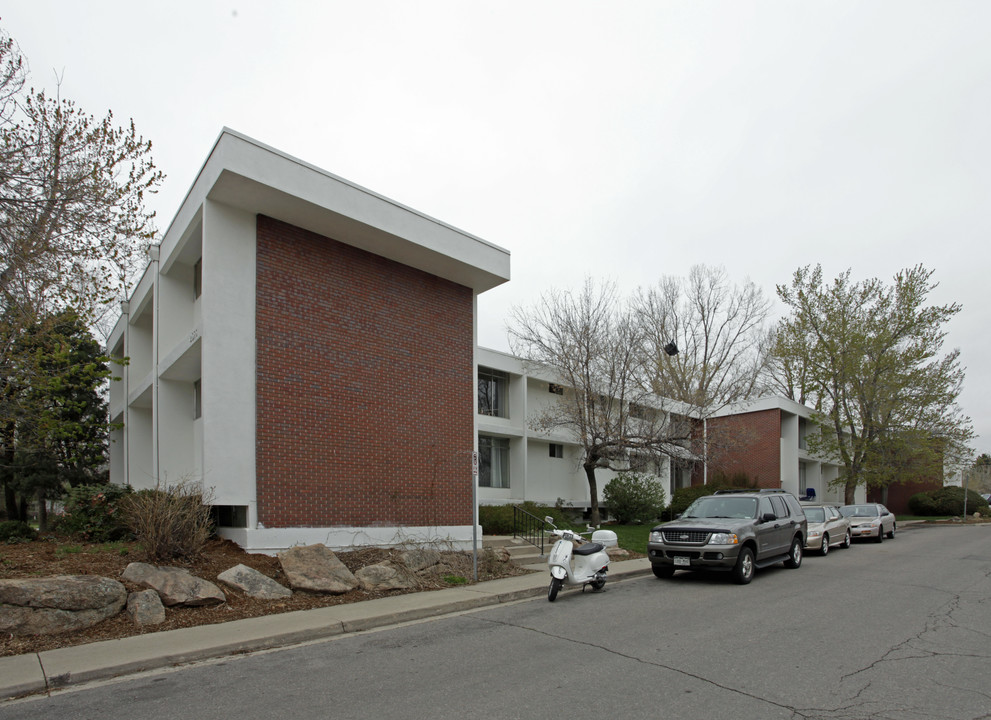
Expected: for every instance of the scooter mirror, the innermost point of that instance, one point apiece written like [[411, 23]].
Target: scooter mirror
[[548, 519]]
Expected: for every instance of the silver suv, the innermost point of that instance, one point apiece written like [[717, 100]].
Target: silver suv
[[732, 530]]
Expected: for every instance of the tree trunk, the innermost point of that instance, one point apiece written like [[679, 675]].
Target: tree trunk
[[593, 491], [42, 511], [10, 502], [848, 490]]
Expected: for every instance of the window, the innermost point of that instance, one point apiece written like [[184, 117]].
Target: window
[[492, 387], [802, 478], [557, 450], [197, 399], [235, 516], [765, 507], [493, 462], [198, 278], [556, 389], [802, 431], [779, 507]]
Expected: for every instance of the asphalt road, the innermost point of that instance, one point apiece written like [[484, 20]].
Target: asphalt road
[[900, 630]]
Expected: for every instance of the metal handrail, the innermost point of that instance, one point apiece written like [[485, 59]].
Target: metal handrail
[[529, 527]]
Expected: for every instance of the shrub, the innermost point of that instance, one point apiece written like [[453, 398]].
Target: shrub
[[171, 522], [634, 498], [498, 519], [93, 512], [683, 497], [947, 501], [14, 531]]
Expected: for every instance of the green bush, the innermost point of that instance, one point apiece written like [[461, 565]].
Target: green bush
[[170, 523], [14, 531], [634, 498], [683, 497], [92, 512], [498, 519], [947, 501]]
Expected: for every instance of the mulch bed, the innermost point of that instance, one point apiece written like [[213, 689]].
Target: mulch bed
[[43, 558]]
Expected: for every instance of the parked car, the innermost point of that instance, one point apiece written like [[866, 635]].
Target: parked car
[[827, 528], [732, 531], [870, 520]]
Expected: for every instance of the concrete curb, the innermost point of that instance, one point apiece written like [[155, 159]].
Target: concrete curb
[[54, 669]]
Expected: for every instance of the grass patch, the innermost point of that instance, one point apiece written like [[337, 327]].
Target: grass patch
[[62, 550], [455, 580], [114, 548], [631, 537]]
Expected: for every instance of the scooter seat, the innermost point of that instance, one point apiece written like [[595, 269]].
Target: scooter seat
[[589, 548]]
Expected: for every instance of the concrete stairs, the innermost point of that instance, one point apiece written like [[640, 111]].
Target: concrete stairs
[[521, 552]]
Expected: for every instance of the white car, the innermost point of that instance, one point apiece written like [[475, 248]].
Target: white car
[[827, 528], [872, 520]]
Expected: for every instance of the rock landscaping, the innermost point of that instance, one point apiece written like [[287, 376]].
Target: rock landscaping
[[51, 597]]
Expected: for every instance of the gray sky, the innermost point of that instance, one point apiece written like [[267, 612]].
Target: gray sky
[[621, 140]]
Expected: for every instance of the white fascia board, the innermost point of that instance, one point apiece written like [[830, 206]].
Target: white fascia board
[[498, 360], [143, 293], [770, 402], [244, 173]]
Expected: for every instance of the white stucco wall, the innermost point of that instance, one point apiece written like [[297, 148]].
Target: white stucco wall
[[228, 362]]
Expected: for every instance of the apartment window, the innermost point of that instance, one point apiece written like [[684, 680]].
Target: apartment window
[[197, 399], [555, 389], [492, 389], [802, 478], [198, 278], [493, 462], [556, 450], [802, 430]]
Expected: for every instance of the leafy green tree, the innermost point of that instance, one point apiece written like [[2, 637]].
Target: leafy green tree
[[56, 432], [868, 358]]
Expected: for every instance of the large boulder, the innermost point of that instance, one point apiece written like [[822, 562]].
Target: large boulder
[[419, 559], [145, 608], [315, 568], [253, 583], [176, 586], [383, 577], [41, 606]]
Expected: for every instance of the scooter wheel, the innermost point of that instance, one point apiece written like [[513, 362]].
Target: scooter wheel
[[553, 589]]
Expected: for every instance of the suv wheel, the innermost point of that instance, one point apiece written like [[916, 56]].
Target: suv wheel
[[743, 571], [795, 554], [663, 571]]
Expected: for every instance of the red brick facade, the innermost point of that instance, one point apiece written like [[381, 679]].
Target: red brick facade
[[748, 443], [364, 387]]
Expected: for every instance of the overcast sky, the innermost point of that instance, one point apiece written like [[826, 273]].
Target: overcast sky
[[620, 140]]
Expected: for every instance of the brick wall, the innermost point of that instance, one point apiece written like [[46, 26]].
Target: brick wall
[[748, 443], [364, 387]]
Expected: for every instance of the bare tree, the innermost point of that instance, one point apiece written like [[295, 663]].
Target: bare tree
[[589, 342], [72, 192], [719, 330]]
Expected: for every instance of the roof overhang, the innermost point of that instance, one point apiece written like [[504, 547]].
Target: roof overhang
[[246, 174]]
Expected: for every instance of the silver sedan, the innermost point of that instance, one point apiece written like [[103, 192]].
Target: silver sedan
[[871, 520], [827, 528]]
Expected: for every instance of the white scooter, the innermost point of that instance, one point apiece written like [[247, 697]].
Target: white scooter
[[575, 561]]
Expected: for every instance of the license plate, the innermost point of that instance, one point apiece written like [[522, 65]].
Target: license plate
[[682, 561]]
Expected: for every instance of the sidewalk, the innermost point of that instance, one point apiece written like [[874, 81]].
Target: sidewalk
[[53, 669]]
